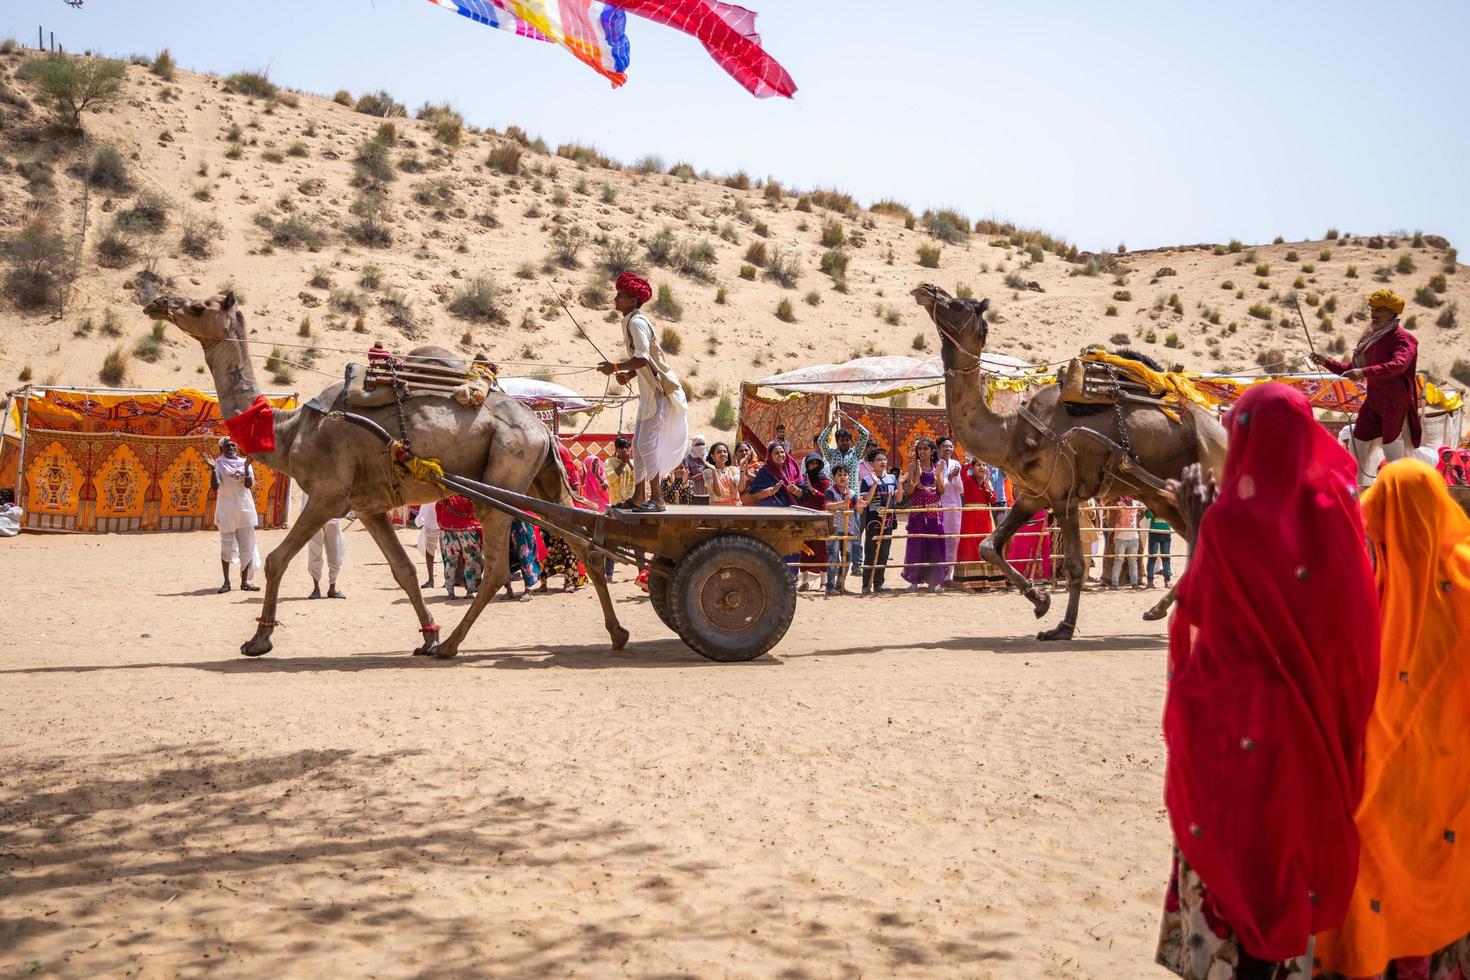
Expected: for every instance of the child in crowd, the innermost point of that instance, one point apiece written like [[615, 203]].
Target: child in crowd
[[843, 504]]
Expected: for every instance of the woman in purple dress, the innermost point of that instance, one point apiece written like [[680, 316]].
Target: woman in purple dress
[[923, 554]]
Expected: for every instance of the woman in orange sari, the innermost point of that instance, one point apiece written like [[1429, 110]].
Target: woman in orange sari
[[1410, 912]]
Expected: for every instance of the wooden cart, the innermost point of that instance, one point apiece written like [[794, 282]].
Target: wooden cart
[[716, 575]]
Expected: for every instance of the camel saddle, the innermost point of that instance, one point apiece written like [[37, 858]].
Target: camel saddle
[[382, 381], [1092, 382]]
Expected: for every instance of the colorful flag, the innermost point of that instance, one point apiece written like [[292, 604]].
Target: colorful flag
[[590, 30]]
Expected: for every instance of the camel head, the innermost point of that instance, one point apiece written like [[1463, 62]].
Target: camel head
[[960, 321], [207, 321]]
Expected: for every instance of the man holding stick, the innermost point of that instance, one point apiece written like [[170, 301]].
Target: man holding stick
[[662, 429], [1385, 359]]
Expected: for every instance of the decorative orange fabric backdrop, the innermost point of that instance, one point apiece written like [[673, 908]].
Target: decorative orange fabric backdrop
[[100, 461]]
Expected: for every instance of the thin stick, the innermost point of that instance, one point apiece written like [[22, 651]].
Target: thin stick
[[585, 335], [1310, 346]]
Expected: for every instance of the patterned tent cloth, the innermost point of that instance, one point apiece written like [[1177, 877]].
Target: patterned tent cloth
[[104, 460]]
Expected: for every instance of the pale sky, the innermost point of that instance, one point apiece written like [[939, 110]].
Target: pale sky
[[1145, 122]]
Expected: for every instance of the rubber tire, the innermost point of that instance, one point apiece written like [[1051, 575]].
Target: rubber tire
[[762, 627], [658, 595]]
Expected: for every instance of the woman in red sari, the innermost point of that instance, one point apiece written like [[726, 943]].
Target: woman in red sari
[[1273, 665], [975, 525]]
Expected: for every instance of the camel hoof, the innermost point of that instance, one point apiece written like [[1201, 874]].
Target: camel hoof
[[256, 648], [619, 638], [1042, 602], [427, 650], [446, 651], [1156, 612], [1062, 631]]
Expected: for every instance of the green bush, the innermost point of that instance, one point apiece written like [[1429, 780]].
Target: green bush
[[1123, 295], [1263, 269], [373, 164], [833, 235], [834, 263], [666, 306], [478, 299], [163, 65], [109, 170], [298, 149], [37, 261], [725, 413], [198, 234], [506, 158], [1447, 316], [748, 272], [929, 256], [567, 245], [115, 249], [1405, 264], [253, 84], [616, 256], [783, 267], [785, 311], [755, 254], [150, 346], [1260, 311], [813, 298], [379, 103], [71, 84], [947, 225], [114, 370]]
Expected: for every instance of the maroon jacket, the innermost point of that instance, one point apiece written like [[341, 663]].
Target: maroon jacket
[[1389, 368]]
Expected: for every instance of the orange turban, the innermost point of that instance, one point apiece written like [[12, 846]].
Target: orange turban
[[1386, 299], [1412, 896]]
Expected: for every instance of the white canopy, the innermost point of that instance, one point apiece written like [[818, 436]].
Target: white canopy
[[530, 389], [880, 377]]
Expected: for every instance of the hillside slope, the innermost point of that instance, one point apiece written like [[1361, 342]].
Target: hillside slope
[[276, 176]]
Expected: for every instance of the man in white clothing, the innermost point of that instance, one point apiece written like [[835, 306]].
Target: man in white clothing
[[429, 535], [234, 513], [662, 429], [331, 543]]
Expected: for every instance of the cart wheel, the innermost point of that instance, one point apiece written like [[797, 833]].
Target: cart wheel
[[731, 598], [658, 595]]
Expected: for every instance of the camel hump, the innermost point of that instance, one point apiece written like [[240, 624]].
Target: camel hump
[[430, 354]]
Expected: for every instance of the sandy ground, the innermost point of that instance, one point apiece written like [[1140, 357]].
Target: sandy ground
[[911, 786]]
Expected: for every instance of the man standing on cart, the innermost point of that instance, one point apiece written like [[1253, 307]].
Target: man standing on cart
[[662, 430], [1384, 359]]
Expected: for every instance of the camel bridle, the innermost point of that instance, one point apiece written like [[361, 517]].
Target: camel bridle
[[950, 336]]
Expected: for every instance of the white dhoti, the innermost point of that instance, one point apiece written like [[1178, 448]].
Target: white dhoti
[[661, 434], [239, 541], [429, 541], [659, 441], [1367, 453], [330, 543]]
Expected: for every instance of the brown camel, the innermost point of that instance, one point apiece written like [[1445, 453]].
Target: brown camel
[[343, 468], [1053, 463]]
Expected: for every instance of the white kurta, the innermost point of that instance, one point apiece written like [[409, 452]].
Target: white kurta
[[234, 511], [953, 498], [662, 431]]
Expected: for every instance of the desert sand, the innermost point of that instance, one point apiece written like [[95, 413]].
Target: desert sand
[[909, 786]]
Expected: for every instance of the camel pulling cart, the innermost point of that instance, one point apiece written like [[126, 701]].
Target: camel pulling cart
[[715, 574]]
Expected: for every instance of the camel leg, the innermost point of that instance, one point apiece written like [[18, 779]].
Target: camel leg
[[1160, 609], [312, 519], [405, 573], [1075, 565], [599, 582], [495, 531], [993, 550]]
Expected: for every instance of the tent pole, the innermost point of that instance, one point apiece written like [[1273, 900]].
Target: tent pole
[[20, 463]]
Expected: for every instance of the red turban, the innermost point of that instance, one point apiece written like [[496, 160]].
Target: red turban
[[635, 286]]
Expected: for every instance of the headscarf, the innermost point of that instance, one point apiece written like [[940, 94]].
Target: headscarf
[[636, 286], [594, 482], [569, 463], [1273, 656], [1413, 893], [1386, 299], [816, 486], [770, 475]]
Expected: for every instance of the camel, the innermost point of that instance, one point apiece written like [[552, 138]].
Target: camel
[[1054, 465], [342, 468]]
